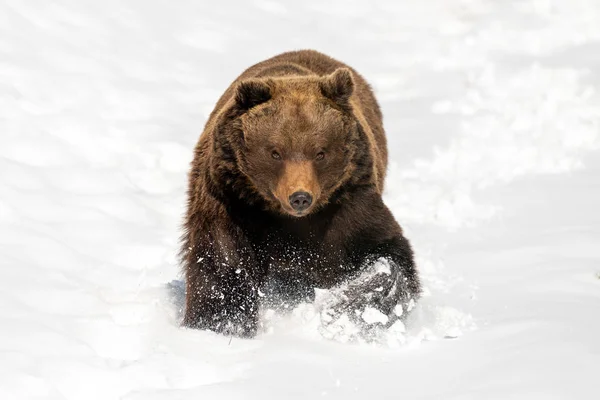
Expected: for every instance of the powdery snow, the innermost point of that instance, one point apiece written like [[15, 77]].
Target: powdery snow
[[493, 118]]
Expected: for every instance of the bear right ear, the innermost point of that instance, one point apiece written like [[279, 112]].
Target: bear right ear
[[338, 86], [252, 92]]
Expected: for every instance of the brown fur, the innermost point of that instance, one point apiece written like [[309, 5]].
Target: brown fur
[[300, 121]]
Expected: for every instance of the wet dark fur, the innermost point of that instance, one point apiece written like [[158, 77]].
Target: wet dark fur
[[234, 237]]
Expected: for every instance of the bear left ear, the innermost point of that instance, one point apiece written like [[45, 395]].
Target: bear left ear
[[252, 92], [338, 86]]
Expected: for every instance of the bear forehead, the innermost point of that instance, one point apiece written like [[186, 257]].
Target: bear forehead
[[294, 120]]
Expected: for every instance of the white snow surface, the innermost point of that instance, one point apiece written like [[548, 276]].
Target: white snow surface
[[492, 113]]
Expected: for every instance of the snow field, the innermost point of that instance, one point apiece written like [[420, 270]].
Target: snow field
[[492, 114]]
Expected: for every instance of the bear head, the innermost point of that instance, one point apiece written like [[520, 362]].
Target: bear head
[[294, 139]]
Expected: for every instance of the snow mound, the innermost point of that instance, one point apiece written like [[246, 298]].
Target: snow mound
[[362, 324]]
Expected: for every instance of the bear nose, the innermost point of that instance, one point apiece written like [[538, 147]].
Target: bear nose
[[300, 201]]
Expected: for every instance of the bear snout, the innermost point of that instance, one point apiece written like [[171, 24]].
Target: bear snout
[[300, 201], [297, 188]]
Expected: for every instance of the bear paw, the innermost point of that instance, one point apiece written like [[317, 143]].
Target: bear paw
[[364, 307]]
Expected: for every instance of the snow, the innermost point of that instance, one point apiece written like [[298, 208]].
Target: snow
[[493, 118], [372, 315]]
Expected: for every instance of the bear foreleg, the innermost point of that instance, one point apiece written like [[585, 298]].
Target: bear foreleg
[[222, 282]]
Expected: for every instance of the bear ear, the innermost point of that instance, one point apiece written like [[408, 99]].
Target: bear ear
[[252, 92], [338, 86]]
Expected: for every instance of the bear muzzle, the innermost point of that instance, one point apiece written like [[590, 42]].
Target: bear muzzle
[[298, 188]]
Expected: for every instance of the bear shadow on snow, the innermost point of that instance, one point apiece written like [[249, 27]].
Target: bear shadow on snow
[[176, 295], [284, 197]]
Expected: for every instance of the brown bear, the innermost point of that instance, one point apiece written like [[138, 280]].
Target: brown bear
[[286, 182]]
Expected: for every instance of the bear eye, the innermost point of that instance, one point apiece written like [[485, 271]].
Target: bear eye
[[275, 155], [320, 155]]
